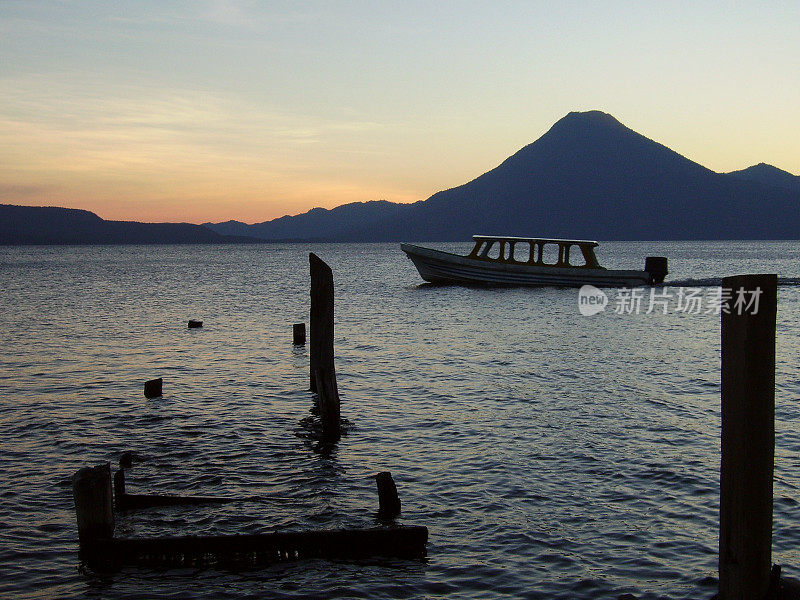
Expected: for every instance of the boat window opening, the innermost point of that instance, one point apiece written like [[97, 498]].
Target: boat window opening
[[576, 257], [492, 251], [522, 252], [589, 257], [477, 249], [506, 250], [550, 254]]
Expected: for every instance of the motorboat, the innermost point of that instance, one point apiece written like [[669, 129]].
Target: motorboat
[[504, 260]]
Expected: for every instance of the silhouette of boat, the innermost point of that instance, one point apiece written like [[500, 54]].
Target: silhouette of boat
[[503, 260]]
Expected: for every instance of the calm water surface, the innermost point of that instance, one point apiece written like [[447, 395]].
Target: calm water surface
[[551, 455]]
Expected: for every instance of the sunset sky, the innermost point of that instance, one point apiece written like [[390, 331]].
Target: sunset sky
[[209, 111]]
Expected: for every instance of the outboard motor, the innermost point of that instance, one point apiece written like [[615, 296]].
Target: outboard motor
[[656, 267]]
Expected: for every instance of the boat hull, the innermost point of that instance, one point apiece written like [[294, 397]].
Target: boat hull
[[440, 267]]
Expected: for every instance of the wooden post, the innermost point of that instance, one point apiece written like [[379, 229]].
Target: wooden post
[[323, 373], [152, 388], [329, 404], [388, 500], [126, 460], [748, 436], [321, 319], [94, 507], [299, 334]]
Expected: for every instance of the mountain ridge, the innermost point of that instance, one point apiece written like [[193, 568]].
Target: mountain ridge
[[587, 176], [29, 225], [769, 175]]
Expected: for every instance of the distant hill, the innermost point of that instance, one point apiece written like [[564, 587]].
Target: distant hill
[[769, 175], [318, 223], [50, 225], [589, 176]]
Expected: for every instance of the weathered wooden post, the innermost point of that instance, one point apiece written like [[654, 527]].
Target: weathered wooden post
[[388, 500], [323, 373], [299, 334], [748, 436], [152, 388], [329, 404], [321, 319], [94, 505]]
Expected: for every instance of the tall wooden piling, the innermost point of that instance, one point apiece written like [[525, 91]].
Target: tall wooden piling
[[748, 436], [94, 504], [323, 373], [321, 319]]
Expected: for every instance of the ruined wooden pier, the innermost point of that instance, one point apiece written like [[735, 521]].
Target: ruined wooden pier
[[92, 491]]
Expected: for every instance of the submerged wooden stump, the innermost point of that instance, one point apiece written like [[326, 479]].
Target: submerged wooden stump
[[388, 500], [152, 388], [299, 334]]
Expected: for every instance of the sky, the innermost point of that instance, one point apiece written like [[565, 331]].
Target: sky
[[214, 110]]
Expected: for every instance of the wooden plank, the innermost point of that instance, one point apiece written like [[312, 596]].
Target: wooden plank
[[401, 542], [126, 501], [748, 436]]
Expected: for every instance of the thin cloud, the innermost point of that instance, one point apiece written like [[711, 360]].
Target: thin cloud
[[21, 191]]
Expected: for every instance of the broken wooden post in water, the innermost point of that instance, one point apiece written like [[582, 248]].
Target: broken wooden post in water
[[94, 507], [388, 500], [748, 436], [299, 334], [152, 388], [322, 371]]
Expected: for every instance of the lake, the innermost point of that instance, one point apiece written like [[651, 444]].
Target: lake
[[550, 454]]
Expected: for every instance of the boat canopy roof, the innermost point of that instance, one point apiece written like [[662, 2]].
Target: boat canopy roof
[[506, 238], [534, 251]]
